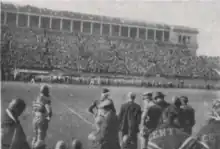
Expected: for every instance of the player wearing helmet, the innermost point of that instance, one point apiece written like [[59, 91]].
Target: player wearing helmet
[[42, 113]]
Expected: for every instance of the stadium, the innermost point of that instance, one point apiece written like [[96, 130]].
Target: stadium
[[72, 49]]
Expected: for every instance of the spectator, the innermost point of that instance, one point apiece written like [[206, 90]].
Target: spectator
[[76, 144], [150, 118], [129, 118], [106, 135], [167, 136], [188, 115], [60, 145], [12, 134], [209, 134], [104, 96]]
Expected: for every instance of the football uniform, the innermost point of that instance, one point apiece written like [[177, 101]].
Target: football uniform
[[42, 112]]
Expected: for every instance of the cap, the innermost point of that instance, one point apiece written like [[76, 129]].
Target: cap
[[184, 99], [149, 94], [176, 100], [76, 144], [131, 95], [159, 94], [105, 90], [60, 145]]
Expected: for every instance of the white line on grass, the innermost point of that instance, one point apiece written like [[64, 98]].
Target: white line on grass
[[79, 115]]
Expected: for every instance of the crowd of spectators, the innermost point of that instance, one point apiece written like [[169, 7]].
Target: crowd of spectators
[[46, 49]]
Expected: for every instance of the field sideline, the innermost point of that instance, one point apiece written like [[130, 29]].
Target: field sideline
[[70, 102]]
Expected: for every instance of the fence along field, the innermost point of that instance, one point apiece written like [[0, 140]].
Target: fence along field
[[70, 102]]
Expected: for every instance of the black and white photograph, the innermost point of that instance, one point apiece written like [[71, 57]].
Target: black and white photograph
[[110, 74]]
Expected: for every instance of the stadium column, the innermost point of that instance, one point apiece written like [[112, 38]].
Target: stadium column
[[155, 35], [61, 24], [71, 25], [5, 19], [129, 30], [39, 22], [91, 28], [50, 23], [119, 30], [163, 35], [101, 25], [28, 20], [17, 19], [137, 35], [146, 34], [81, 26], [110, 30]]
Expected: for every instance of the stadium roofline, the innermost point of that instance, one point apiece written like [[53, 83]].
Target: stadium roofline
[[93, 17]]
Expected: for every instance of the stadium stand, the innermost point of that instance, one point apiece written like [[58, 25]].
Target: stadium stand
[[32, 44]]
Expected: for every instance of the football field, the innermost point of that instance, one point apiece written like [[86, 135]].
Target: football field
[[70, 102]]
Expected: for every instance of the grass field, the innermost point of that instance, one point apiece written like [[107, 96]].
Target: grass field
[[67, 99]]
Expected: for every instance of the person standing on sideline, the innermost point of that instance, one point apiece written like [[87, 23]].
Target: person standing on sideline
[[188, 115], [95, 105], [12, 133], [176, 111], [150, 118], [42, 113], [107, 127], [168, 136], [129, 120]]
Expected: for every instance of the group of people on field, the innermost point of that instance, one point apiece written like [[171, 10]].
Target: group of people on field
[[160, 125]]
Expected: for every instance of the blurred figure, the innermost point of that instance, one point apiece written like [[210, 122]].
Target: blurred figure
[[150, 118], [95, 105], [210, 133], [12, 133], [42, 113], [159, 99], [168, 136], [175, 111], [76, 144], [188, 115], [106, 136], [129, 119], [61, 145]]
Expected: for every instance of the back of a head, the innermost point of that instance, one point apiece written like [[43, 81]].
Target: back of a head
[[176, 101], [45, 90], [61, 145], [76, 144], [184, 100], [17, 106], [131, 96]]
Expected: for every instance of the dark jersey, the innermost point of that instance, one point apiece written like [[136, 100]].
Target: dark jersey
[[95, 106], [169, 137], [210, 134]]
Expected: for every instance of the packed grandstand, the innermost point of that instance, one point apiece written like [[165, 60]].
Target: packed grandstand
[[35, 38]]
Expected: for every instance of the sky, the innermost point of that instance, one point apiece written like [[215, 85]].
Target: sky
[[203, 15]]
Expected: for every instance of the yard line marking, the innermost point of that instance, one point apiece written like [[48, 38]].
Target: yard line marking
[[80, 116]]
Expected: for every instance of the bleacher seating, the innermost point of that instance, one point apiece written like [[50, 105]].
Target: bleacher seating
[[37, 48]]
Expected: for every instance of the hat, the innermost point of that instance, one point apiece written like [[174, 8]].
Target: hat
[[176, 100], [105, 103], [131, 95], [105, 90], [159, 94], [148, 94], [184, 99], [60, 145]]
